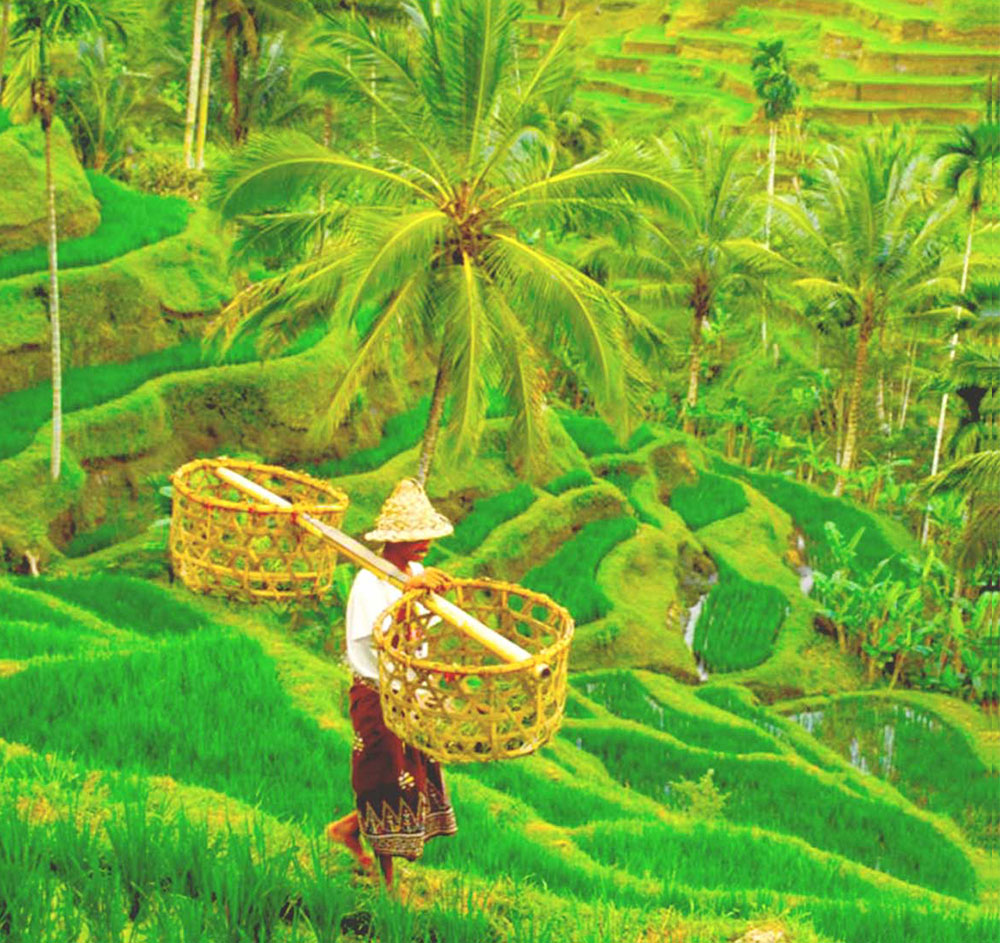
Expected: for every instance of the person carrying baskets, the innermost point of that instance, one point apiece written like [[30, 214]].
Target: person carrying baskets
[[401, 799]]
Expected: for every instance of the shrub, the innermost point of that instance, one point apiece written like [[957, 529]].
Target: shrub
[[129, 220], [568, 576], [740, 620], [165, 174], [711, 498]]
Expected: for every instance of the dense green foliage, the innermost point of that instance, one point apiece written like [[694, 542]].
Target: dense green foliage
[[129, 220], [577, 478]]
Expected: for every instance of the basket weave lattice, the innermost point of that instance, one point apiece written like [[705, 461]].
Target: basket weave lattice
[[456, 701], [225, 543]]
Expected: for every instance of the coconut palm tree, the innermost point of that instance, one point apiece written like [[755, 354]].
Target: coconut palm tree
[[4, 37], [777, 90], [686, 256], [862, 242], [967, 161], [194, 81], [444, 238], [39, 27]]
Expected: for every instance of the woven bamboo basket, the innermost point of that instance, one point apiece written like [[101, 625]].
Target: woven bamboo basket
[[224, 543], [442, 693]]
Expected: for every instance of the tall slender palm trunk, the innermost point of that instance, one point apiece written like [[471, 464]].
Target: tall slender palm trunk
[[50, 189], [952, 349], [203, 94], [857, 385], [429, 445], [694, 372], [772, 160], [4, 36], [194, 76]]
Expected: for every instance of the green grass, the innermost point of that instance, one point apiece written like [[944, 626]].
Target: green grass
[[592, 434], [129, 220], [400, 432], [575, 478], [810, 509], [20, 640], [739, 622], [26, 411], [772, 793], [137, 605], [569, 574], [207, 709], [487, 514], [910, 757], [625, 696], [710, 498]]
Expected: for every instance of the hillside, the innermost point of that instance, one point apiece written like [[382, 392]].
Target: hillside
[[659, 808]]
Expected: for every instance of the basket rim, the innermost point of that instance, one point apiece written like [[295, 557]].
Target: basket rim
[[546, 656], [179, 481]]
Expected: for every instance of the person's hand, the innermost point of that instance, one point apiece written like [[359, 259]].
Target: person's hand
[[432, 579]]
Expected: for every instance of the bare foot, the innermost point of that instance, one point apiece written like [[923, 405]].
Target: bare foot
[[344, 833]]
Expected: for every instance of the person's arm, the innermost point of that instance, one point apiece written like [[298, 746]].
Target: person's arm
[[431, 579]]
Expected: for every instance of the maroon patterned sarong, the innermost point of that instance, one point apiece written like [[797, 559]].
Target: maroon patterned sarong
[[401, 798]]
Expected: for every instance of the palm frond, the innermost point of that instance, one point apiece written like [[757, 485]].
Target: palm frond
[[275, 171]]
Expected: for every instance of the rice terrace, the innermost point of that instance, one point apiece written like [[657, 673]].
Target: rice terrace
[[499, 471]]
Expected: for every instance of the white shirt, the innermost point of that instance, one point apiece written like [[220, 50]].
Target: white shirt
[[368, 599]]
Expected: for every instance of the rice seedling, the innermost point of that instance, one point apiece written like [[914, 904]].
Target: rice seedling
[[19, 639], [811, 509], [711, 498], [739, 622], [569, 574], [129, 220], [575, 478], [486, 515], [134, 604], [739, 701], [624, 695], [773, 793], [559, 799], [26, 411], [208, 709], [592, 435], [928, 760]]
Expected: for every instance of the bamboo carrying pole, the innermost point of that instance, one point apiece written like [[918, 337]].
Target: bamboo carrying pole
[[362, 556]]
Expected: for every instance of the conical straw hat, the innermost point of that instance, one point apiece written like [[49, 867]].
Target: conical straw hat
[[408, 515]]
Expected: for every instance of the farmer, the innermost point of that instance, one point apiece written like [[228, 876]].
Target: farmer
[[401, 797]]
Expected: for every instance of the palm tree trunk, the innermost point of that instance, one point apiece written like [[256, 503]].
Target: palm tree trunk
[[4, 35], [231, 67], [907, 385], [194, 75], [433, 423], [700, 299], [897, 668], [50, 189], [694, 371], [206, 84], [952, 348], [857, 385]]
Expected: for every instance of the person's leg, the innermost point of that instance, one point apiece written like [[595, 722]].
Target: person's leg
[[347, 831], [385, 862]]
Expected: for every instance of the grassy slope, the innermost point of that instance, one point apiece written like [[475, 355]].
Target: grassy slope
[[565, 816]]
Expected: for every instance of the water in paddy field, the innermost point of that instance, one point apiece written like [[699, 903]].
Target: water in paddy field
[[805, 571], [874, 735], [694, 613]]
